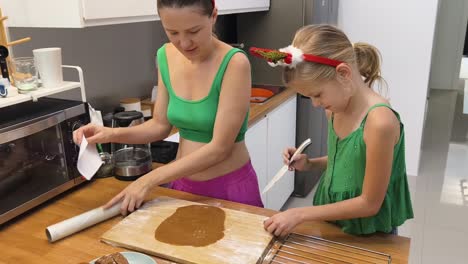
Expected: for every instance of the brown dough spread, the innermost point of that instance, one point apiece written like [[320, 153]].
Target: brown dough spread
[[193, 225]]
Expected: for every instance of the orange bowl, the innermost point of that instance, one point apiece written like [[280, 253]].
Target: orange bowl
[[259, 95]]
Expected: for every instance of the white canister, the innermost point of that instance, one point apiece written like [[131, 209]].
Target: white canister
[[146, 110], [131, 104], [49, 65]]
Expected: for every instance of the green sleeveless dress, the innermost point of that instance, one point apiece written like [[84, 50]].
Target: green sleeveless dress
[[344, 178]]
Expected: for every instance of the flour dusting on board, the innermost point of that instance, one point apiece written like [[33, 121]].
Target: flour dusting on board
[[244, 239]]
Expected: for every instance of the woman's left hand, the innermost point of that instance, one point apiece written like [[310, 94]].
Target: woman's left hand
[[283, 223], [132, 196]]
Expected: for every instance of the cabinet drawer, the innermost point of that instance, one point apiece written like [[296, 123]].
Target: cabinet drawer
[[241, 6], [106, 9]]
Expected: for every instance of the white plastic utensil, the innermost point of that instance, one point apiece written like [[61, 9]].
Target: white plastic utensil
[[284, 169]]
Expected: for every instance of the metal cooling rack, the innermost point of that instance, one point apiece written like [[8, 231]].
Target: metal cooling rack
[[302, 249]]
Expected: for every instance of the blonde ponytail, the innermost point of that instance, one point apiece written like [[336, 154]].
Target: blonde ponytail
[[368, 62]]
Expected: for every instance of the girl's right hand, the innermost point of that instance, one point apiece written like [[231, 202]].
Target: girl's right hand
[[298, 163], [93, 133]]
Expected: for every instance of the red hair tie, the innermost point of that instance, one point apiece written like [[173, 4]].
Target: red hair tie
[[213, 2], [290, 57]]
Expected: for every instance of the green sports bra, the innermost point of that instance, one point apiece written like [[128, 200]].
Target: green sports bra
[[195, 119]]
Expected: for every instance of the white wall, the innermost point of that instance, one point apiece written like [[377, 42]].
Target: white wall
[[403, 31]]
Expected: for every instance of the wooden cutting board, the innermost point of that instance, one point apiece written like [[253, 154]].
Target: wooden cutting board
[[244, 239]]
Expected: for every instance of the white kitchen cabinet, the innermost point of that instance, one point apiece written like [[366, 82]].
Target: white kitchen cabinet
[[281, 134], [241, 6], [256, 141], [85, 13], [76, 13], [118, 11], [266, 141]]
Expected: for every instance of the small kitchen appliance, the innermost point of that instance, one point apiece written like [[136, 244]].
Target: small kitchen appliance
[[38, 157], [130, 160]]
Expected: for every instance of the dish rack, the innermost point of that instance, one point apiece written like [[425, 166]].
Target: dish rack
[[302, 249]]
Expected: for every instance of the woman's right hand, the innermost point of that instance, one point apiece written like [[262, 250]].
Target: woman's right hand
[[298, 163], [93, 133]]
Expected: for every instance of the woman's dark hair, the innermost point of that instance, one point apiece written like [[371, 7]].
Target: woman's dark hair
[[205, 5]]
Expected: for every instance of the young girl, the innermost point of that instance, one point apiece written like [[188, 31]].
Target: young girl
[[203, 90], [364, 188]]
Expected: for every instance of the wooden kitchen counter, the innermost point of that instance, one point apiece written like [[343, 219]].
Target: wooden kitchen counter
[[23, 240]]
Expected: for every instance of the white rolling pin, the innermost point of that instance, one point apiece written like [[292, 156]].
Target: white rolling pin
[[77, 223]]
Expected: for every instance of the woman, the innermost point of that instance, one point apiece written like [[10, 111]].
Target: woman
[[203, 90]]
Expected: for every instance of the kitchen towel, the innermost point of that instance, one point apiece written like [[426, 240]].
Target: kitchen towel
[[95, 116]]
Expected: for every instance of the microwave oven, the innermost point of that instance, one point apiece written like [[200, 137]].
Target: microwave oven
[[37, 154]]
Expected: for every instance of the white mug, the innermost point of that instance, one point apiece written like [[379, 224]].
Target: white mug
[[49, 65]]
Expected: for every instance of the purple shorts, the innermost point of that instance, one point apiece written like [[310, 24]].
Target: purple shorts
[[239, 186]]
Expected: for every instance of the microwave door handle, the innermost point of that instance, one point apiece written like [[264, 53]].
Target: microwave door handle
[[30, 129]]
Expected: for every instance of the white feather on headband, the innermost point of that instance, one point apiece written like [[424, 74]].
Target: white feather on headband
[[297, 56], [290, 57]]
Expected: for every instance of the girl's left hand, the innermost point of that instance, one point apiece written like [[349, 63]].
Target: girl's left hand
[[132, 196], [283, 223]]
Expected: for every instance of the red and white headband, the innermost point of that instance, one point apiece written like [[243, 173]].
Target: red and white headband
[[290, 56]]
